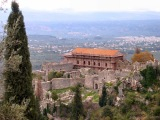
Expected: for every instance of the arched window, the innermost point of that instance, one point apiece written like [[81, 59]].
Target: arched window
[[77, 61], [89, 63], [96, 86], [84, 62], [94, 63], [106, 64], [98, 64]]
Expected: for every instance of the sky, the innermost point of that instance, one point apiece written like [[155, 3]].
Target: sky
[[88, 5]]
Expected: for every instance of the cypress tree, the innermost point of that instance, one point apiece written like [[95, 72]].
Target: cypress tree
[[77, 105], [103, 98], [17, 66]]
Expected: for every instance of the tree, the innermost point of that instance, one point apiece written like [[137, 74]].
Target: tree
[[142, 57], [17, 65], [103, 97], [12, 111], [77, 106], [149, 76]]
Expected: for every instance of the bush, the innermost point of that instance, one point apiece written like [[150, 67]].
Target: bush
[[107, 112], [149, 76], [12, 112], [55, 74], [54, 95], [130, 99], [157, 111]]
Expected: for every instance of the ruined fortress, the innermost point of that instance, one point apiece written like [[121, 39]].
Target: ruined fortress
[[92, 68]]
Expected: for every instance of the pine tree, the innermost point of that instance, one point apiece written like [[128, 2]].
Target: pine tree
[[103, 98], [17, 66], [77, 105]]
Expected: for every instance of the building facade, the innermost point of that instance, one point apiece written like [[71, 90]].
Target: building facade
[[94, 58]]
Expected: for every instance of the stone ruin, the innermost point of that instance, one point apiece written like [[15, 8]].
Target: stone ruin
[[94, 79], [128, 74]]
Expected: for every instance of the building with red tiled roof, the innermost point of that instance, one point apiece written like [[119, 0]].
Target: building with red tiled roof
[[94, 58]]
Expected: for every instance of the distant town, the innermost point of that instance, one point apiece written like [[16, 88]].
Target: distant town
[[49, 48]]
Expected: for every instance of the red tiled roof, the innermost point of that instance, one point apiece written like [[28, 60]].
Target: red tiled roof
[[96, 52]]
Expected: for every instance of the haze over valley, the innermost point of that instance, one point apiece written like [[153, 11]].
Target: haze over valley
[[58, 33]]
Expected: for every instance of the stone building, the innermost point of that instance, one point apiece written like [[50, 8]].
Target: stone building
[[94, 58]]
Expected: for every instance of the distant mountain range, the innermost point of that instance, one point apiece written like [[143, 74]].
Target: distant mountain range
[[90, 16], [84, 16], [71, 24]]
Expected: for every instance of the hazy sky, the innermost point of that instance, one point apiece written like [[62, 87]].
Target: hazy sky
[[89, 5]]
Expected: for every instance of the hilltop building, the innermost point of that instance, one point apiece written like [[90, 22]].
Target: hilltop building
[[94, 58]]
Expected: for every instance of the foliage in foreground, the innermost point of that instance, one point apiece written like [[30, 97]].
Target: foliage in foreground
[[12, 111], [77, 106], [17, 65], [103, 97], [150, 76]]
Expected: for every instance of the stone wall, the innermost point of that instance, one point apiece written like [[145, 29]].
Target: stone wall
[[57, 67], [46, 85], [89, 81], [60, 83]]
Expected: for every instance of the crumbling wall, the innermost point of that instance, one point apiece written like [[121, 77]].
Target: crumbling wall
[[89, 81], [60, 83], [57, 66], [46, 85]]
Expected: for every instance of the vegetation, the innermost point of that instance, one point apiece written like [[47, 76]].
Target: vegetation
[[103, 97], [77, 106], [150, 75], [54, 95], [55, 74], [136, 104], [142, 56], [94, 94], [17, 66], [12, 111]]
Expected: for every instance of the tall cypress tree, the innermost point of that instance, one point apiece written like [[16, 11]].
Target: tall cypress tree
[[17, 66], [103, 98], [77, 105]]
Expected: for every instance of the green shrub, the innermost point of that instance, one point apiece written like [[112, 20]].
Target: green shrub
[[12, 112], [107, 112], [157, 111]]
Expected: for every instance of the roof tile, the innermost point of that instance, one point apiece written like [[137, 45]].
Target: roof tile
[[95, 52]]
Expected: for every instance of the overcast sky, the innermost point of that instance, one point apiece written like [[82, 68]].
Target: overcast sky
[[89, 5]]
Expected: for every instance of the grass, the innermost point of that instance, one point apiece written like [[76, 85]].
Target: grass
[[85, 93], [88, 92], [60, 91]]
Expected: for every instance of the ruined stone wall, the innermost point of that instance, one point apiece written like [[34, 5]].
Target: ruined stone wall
[[89, 81], [107, 75], [57, 66], [73, 82], [60, 83], [64, 67], [46, 85]]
